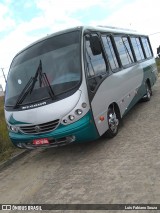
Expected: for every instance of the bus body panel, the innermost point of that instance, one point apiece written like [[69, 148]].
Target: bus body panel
[[118, 88], [124, 88], [44, 113]]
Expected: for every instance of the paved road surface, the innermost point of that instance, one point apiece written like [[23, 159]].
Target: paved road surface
[[125, 169]]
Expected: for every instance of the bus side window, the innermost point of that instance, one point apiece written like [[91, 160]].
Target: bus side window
[[124, 50], [137, 48], [146, 47], [96, 66], [110, 52]]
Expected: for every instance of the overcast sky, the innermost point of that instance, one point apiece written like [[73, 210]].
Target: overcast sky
[[24, 21]]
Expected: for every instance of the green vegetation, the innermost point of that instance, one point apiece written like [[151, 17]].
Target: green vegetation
[[158, 64], [6, 147]]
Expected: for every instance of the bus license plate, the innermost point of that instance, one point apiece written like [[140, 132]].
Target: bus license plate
[[40, 141]]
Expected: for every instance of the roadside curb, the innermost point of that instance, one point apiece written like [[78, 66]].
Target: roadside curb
[[11, 160]]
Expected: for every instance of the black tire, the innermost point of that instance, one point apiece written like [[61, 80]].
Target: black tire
[[147, 96], [113, 123]]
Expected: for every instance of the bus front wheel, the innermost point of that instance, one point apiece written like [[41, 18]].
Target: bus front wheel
[[113, 123]]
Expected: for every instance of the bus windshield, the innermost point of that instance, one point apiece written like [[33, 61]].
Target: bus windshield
[[60, 61]]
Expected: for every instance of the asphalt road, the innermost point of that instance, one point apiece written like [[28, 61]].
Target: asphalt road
[[125, 169]]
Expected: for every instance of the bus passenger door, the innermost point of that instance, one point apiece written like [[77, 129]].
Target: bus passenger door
[[97, 71]]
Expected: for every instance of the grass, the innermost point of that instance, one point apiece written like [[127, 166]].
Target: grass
[[6, 147]]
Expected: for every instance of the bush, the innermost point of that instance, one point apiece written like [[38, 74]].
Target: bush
[[6, 147]]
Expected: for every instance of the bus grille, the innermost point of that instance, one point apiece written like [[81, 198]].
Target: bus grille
[[40, 128]]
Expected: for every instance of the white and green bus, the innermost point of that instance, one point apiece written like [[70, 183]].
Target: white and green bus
[[76, 85]]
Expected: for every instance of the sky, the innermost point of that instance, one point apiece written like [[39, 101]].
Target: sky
[[25, 21]]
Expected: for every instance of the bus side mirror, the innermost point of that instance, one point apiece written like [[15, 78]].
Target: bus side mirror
[[95, 45]]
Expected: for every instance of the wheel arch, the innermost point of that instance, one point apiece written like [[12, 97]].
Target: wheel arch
[[114, 123]]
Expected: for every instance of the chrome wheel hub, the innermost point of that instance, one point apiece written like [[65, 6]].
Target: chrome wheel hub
[[113, 122]]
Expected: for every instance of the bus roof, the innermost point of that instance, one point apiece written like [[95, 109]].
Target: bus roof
[[107, 29], [112, 29]]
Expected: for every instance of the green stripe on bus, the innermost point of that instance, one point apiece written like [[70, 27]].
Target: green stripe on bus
[[83, 129], [13, 121]]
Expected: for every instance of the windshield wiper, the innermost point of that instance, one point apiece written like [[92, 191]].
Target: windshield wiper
[[38, 73], [43, 79], [31, 84], [24, 93]]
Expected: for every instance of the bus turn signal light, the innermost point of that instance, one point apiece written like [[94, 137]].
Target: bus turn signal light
[[101, 118]]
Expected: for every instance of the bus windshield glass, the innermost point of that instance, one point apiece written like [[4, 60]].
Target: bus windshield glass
[[60, 62]]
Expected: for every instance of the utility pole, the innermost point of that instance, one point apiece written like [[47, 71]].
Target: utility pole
[[4, 75]]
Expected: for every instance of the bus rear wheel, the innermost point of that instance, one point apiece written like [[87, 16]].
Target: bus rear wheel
[[148, 94], [113, 123]]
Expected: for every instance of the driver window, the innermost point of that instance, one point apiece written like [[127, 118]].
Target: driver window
[[96, 66]]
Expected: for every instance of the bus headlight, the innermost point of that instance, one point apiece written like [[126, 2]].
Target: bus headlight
[[79, 112], [76, 113], [65, 121], [71, 117], [14, 129]]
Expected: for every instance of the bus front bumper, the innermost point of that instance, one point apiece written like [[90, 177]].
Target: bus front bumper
[[80, 131]]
